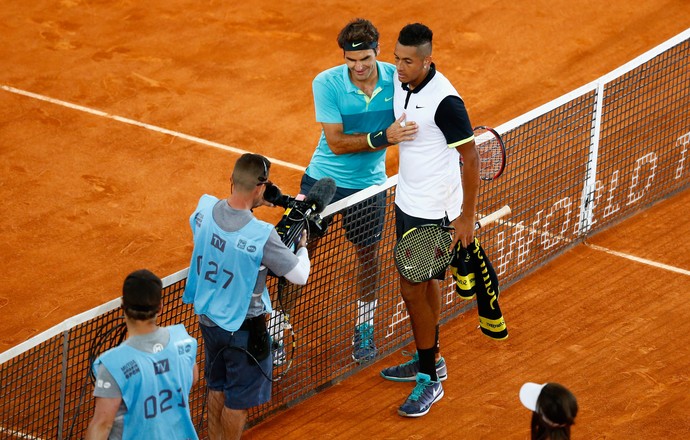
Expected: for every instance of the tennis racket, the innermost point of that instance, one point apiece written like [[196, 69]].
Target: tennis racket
[[283, 337], [283, 345], [424, 251], [492, 152], [105, 340], [110, 334]]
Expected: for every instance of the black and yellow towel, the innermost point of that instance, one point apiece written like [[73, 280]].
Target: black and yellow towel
[[475, 276]]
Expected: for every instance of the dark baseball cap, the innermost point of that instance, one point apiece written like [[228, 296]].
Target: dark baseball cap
[[142, 291]]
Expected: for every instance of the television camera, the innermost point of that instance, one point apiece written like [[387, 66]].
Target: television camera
[[302, 214]]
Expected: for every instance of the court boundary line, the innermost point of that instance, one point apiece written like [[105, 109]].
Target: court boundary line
[[652, 263], [606, 250], [19, 434], [502, 128], [543, 109], [144, 125]]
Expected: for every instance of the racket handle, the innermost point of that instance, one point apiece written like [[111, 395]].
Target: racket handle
[[492, 217]]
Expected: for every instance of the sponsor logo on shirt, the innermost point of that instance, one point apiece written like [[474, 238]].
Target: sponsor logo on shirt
[[184, 347], [130, 369], [161, 367], [218, 243]]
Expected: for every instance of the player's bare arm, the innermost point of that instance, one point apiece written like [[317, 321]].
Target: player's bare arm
[[103, 417], [464, 224], [341, 143], [195, 374]]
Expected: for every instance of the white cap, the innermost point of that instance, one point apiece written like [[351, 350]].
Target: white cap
[[529, 393]]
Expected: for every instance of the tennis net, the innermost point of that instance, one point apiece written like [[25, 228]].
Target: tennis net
[[575, 165]]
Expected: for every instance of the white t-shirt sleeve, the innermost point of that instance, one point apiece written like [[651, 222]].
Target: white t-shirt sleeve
[[300, 273], [106, 386]]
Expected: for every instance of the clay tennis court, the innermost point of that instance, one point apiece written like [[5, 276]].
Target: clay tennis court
[[89, 196]]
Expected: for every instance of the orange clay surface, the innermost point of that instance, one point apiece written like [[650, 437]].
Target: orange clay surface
[[87, 198]]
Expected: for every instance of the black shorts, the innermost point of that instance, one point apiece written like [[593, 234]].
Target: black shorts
[[405, 222], [230, 370], [363, 222]]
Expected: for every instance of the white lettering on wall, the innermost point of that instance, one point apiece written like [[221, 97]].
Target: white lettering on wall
[[399, 316], [611, 207], [647, 161], [682, 143], [550, 238]]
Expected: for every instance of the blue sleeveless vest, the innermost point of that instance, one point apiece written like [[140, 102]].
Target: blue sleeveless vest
[[224, 267], [155, 387]]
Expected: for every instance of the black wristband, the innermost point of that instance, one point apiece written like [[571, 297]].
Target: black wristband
[[377, 139]]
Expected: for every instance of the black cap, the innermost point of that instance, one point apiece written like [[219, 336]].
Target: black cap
[[142, 291]]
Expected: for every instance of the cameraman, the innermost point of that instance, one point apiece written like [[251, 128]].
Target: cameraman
[[232, 253]]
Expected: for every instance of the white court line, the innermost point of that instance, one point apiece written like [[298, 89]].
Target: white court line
[[612, 252], [640, 260], [19, 434], [143, 125]]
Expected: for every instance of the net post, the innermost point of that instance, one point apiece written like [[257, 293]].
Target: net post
[[63, 383], [590, 181]]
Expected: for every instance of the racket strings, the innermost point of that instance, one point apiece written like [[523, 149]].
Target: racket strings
[[492, 156], [490, 153], [423, 253]]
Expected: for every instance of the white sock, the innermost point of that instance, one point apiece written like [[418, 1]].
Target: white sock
[[365, 312]]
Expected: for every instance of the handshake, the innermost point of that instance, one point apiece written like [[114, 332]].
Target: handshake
[[302, 214]]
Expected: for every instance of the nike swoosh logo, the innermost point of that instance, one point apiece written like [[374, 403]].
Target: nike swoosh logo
[[387, 99], [378, 134], [419, 106], [356, 44]]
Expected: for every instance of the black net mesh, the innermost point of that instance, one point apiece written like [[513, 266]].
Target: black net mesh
[[46, 390]]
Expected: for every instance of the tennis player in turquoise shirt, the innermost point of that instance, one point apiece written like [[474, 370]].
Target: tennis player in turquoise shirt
[[354, 104], [338, 101]]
